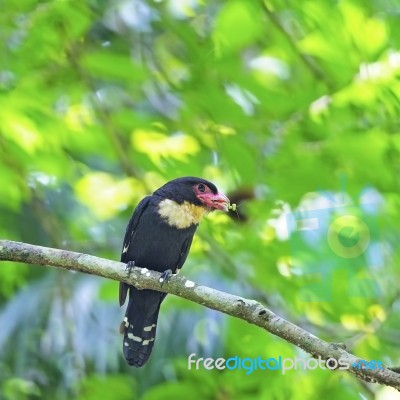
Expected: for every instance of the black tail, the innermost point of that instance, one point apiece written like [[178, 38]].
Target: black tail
[[140, 325]]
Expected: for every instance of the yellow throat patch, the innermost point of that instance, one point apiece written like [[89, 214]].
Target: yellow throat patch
[[180, 216]]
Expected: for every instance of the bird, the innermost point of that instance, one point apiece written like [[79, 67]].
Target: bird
[[158, 237]]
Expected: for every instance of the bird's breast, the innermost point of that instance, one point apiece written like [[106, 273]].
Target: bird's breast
[[156, 244]]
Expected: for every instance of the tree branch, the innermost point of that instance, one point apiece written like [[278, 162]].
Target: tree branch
[[307, 61], [245, 309]]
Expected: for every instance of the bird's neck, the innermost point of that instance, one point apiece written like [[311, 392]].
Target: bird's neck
[[180, 216]]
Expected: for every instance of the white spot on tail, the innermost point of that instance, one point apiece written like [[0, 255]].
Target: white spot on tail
[[126, 344], [146, 342], [149, 328], [135, 338], [126, 323], [125, 249], [189, 284], [143, 271]]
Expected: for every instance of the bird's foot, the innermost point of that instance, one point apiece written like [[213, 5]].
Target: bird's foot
[[129, 267], [165, 276]]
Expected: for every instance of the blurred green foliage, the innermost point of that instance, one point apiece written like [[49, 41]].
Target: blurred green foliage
[[101, 102]]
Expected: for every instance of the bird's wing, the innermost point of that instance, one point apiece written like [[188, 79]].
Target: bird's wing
[[184, 252], [182, 258], [129, 234]]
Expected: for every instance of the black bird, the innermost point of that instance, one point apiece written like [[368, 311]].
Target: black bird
[[158, 237]]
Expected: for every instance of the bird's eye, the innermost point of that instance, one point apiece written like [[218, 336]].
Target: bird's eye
[[201, 188]]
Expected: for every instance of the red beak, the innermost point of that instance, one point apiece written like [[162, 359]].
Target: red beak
[[215, 201]]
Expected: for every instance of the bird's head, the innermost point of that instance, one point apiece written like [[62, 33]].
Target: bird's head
[[185, 200], [195, 191]]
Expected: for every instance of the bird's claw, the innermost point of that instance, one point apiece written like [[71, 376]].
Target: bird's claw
[[165, 276], [129, 267]]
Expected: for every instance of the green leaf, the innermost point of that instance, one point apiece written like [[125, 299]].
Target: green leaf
[[108, 65], [238, 23]]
